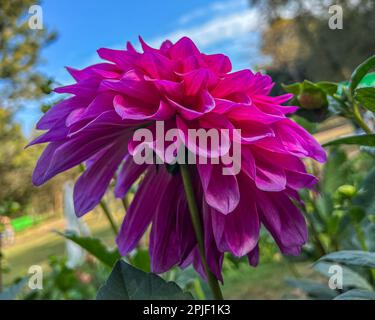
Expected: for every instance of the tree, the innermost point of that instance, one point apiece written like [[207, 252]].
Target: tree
[[19, 80], [301, 44], [20, 54]]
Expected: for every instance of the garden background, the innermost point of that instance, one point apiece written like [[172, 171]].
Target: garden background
[[290, 40]]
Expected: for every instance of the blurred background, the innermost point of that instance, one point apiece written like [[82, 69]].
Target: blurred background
[[288, 39]]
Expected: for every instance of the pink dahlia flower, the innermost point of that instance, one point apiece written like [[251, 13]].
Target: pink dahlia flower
[[186, 89]]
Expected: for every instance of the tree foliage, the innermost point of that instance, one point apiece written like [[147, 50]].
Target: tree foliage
[[20, 49], [301, 44]]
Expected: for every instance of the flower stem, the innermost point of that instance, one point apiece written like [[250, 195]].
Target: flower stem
[[107, 213], [359, 120], [195, 218]]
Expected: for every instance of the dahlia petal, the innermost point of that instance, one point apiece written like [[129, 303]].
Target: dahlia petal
[[170, 89], [298, 180], [146, 48], [298, 141], [253, 256], [284, 221], [245, 112], [123, 59], [164, 248], [218, 63], [128, 174], [240, 232], [221, 191], [93, 183], [104, 70], [239, 81], [198, 80], [214, 256], [60, 111], [56, 133], [85, 88], [164, 47], [183, 48], [157, 66], [270, 176], [142, 209], [141, 90], [45, 158]]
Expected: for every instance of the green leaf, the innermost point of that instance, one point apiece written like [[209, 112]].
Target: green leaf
[[95, 247], [366, 97], [328, 87], [356, 295], [360, 72], [350, 278], [351, 257], [129, 283], [141, 260], [313, 289], [293, 88], [366, 194], [363, 140], [12, 292], [335, 171]]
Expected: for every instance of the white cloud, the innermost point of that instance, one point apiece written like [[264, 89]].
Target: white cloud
[[214, 9], [216, 29]]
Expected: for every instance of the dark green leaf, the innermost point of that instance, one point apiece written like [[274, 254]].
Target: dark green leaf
[[293, 88], [328, 87], [366, 97], [350, 278], [360, 72], [313, 289], [363, 140], [351, 257], [129, 283], [95, 247], [356, 295], [366, 195]]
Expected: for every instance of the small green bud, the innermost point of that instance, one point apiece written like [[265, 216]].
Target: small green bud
[[312, 100], [347, 190]]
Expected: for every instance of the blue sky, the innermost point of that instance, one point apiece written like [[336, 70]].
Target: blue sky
[[83, 26]]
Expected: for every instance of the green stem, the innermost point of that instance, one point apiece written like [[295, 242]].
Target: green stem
[[359, 120], [107, 213], [195, 218]]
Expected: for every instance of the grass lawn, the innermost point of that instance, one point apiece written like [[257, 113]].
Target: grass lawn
[[34, 246]]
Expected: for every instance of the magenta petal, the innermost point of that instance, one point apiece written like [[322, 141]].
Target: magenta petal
[[164, 245], [129, 173], [239, 233], [142, 209], [219, 63], [284, 221], [43, 162], [60, 111], [299, 142], [253, 256], [183, 48], [93, 183], [221, 191]]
